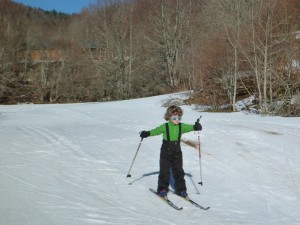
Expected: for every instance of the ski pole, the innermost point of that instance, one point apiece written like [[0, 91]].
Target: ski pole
[[128, 175], [200, 164]]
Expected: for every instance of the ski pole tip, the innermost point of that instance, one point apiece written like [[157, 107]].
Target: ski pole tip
[[128, 175]]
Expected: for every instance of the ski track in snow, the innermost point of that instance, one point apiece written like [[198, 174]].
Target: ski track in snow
[[67, 164]]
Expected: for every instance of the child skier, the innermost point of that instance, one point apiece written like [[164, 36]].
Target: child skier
[[170, 154]]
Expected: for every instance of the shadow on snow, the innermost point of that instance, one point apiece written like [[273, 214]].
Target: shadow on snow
[[172, 181]]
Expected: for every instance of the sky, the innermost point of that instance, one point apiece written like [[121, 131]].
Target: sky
[[65, 6], [68, 164]]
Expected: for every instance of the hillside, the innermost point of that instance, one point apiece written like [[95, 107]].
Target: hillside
[[223, 51], [67, 164]]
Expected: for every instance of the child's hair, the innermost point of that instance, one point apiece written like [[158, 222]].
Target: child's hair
[[173, 110]]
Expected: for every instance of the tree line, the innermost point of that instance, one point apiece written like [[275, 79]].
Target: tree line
[[223, 51]]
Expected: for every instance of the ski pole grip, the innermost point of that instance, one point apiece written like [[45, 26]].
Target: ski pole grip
[[199, 119]]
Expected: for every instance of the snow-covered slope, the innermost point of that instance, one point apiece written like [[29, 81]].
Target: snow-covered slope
[[67, 165]]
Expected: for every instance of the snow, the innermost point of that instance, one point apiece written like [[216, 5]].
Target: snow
[[67, 165], [243, 104]]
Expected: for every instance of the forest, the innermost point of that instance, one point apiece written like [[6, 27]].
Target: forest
[[222, 51]]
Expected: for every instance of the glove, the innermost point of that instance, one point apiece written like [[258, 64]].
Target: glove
[[144, 134], [197, 126]]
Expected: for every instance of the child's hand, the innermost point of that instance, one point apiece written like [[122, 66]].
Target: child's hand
[[197, 126], [144, 134]]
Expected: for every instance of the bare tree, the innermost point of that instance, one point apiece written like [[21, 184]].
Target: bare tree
[[11, 40], [228, 16], [169, 40], [268, 40], [112, 33]]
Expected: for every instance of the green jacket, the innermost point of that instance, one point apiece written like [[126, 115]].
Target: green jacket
[[173, 130]]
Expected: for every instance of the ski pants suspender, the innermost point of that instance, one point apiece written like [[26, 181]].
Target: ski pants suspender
[[168, 132]]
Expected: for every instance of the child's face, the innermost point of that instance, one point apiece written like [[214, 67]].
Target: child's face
[[175, 119]]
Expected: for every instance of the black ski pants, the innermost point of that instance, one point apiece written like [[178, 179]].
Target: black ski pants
[[171, 158]]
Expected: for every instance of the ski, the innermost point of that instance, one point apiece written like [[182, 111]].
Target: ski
[[193, 202], [165, 199]]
